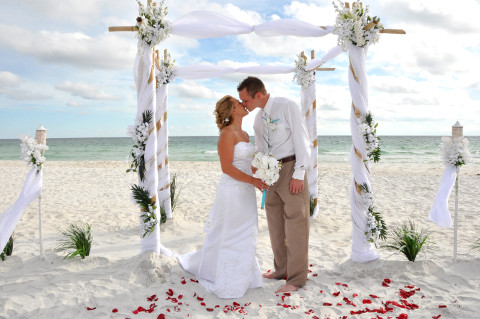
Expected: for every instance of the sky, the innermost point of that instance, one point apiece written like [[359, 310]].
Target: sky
[[60, 67]]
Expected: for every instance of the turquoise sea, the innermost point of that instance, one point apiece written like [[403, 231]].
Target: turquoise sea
[[395, 149]]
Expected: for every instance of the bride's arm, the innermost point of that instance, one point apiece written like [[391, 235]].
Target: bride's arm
[[225, 147]]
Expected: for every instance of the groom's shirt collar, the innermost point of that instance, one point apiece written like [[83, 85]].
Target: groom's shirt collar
[[268, 107]]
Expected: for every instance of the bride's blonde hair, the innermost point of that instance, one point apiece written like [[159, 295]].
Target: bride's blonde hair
[[223, 111]]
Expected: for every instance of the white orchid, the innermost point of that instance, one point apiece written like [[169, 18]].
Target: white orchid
[[454, 151], [268, 168]]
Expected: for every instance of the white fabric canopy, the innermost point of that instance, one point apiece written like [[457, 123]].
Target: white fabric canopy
[[440, 214], [207, 24], [32, 189]]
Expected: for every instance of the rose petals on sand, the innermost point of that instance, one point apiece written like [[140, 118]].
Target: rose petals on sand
[[89, 309], [442, 306], [115, 310]]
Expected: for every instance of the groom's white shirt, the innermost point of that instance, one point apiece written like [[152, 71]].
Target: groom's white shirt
[[290, 136]]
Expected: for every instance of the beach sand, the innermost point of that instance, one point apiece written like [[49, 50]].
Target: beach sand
[[116, 279]]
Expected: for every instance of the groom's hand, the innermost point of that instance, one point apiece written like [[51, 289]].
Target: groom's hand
[[296, 186]]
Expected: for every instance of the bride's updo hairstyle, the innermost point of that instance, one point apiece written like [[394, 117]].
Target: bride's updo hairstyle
[[223, 111]]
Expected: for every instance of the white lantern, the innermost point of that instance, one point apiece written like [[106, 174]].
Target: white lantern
[[457, 130], [41, 135]]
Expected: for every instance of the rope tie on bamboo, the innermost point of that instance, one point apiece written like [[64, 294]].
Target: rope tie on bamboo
[[357, 111], [163, 164], [152, 69], [314, 104], [307, 114], [353, 72], [359, 189], [165, 188], [315, 143]]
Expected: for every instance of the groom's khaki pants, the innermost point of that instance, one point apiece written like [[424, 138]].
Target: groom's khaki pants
[[288, 217]]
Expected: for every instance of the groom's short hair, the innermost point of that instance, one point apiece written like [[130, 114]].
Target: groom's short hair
[[253, 85]]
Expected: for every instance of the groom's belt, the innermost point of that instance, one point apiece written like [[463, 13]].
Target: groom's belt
[[287, 159]]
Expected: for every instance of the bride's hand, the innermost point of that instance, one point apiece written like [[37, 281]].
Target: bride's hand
[[259, 184]]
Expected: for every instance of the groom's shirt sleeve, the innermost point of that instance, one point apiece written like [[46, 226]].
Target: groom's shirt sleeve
[[301, 141]]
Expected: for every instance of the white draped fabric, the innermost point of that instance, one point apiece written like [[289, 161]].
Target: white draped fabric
[[146, 100], [362, 249], [163, 191], [331, 54], [309, 110], [440, 214], [207, 24], [32, 189]]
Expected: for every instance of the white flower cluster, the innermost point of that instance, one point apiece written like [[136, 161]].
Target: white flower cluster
[[303, 77], [454, 151], [154, 27], [149, 220], [139, 134], [374, 227], [350, 23], [32, 152], [368, 129], [268, 168], [167, 73]]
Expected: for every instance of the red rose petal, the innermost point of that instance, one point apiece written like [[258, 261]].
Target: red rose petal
[[436, 317], [193, 280], [115, 310], [337, 283], [442, 306], [403, 316], [169, 292], [203, 304], [327, 304], [88, 308], [387, 280], [365, 301], [200, 298], [210, 309], [336, 293], [180, 296], [355, 295], [384, 284], [373, 296], [161, 316]]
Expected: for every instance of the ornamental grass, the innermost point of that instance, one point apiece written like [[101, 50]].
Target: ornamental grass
[[407, 240], [175, 191], [7, 251], [78, 237], [312, 205]]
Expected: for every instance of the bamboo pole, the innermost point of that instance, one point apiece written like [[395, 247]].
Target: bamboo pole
[[393, 31], [131, 28]]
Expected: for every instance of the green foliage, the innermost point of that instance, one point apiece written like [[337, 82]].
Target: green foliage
[[77, 237], [313, 203], [163, 215], [175, 191], [407, 240], [141, 196], [7, 251]]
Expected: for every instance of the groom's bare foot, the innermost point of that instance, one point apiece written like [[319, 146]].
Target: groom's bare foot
[[287, 288], [269, 275]]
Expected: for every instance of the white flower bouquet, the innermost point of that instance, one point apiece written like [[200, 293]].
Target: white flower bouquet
[[154, 27], [167, 73], [368, 129], [376, 227], [454, 151], [303, 77], [139, 133], [350, 24], [32, 152], [268, 170]]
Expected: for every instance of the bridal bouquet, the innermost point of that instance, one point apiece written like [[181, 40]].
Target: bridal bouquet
[[268, 170], [454, 151], [350, 26], [32, 152], [154, 27]]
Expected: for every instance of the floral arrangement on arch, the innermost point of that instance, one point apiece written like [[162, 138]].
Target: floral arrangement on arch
[[368, 129], [303, 77], [153, 26], [141, 198], [166, 72], [454, 151], [139, 133], [32, 152], [351, 23], [376, 227]]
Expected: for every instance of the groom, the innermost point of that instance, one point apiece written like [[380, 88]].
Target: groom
[[288, 201]]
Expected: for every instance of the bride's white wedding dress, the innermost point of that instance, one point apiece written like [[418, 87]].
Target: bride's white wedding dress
[[226, 264]]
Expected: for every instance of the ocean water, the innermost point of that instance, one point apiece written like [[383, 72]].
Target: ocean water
[[332, 149]]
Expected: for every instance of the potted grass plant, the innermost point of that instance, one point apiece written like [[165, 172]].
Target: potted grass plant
[[7, 251]]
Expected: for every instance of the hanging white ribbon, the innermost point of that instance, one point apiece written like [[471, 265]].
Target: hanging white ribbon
[[32, 189], [440, 214]]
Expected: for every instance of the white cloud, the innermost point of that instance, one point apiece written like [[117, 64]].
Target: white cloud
[[11, 87], [9, 79], [85, 90]]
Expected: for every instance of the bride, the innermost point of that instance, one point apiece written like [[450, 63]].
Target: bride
[[226, 264]]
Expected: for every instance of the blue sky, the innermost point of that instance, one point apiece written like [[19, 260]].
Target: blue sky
[[60, 67]]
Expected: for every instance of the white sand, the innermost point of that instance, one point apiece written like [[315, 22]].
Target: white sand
[[115, 275]]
